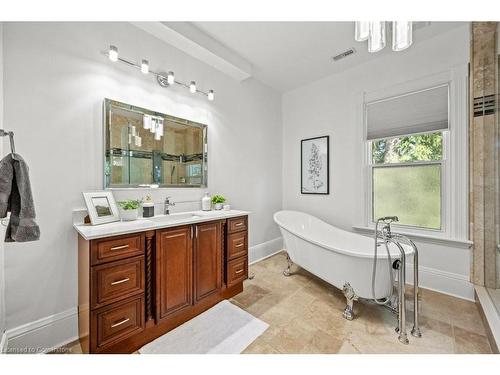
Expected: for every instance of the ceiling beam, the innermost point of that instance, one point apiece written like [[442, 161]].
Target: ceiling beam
[[191, 40]]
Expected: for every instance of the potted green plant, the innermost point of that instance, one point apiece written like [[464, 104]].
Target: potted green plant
[[129, 209], [217, 201]]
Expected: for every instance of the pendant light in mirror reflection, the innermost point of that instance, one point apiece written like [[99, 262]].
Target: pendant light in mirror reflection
[[163, 79], [133, 136], [154, 124], [375, 33]]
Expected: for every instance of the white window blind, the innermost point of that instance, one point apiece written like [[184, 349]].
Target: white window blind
[[416, 112]]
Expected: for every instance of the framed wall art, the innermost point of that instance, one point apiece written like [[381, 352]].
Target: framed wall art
[[315, 172]]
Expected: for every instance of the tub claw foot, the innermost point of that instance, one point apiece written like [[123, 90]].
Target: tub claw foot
[[350, 296], [287, 272], [415, 332], [403, 338]]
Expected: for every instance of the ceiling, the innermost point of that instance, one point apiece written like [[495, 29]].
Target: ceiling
[[286, 55]]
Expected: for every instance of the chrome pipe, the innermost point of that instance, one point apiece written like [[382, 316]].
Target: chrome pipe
[[403, 336], [416, 302]]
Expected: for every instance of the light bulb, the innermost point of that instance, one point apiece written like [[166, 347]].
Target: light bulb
[[376, 39], [402, 35], [145, 66], [170, 78], [361, 30], [113, 53], [192, 87], [210, 95]]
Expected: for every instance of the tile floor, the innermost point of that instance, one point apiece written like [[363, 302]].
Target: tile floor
[[305, 316]]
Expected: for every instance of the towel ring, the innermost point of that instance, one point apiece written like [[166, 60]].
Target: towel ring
[[4, 221]]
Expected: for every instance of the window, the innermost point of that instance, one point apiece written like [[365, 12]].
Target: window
[[406, 175], [415, 155]]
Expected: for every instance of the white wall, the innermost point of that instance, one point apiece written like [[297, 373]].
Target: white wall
[[55, 81], [330, 107]]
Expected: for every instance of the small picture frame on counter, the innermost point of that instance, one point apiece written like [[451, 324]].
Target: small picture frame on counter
[[101, 207]]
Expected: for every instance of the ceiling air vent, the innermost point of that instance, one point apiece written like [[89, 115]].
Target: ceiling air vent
[[340, 56]]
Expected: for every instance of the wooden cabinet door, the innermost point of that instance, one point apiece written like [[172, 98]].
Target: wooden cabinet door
[[174, 270], [208, 259]]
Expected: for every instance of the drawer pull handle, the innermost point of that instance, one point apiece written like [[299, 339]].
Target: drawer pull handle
[[238, 224], [119, 247], [120, 323], [239, 271], [239, 245], [120, 281]]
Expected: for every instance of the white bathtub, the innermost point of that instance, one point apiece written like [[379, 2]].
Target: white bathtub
[[335, 255]]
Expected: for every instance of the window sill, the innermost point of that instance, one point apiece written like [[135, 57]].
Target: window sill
[[464, 244]]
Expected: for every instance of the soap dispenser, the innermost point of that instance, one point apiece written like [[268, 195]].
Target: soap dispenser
[[206, 202], [148, 207]]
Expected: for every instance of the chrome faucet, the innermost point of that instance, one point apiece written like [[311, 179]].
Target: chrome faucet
[[167, 205]]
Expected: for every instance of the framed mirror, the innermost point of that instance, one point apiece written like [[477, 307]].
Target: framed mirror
[[144, 148]]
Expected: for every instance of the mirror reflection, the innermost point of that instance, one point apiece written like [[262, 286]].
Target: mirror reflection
[[146, 148]]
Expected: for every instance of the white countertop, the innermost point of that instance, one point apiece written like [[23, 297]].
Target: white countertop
[[91, 232]]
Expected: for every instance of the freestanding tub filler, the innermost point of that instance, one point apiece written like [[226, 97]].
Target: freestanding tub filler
[[358, 265]]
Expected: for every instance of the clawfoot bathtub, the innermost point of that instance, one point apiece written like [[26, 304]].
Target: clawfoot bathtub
[[339, 257]]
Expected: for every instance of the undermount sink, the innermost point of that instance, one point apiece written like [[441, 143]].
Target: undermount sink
[[175, 217], [181, 216]]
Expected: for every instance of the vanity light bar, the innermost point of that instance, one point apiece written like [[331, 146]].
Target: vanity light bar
[[164, 79]]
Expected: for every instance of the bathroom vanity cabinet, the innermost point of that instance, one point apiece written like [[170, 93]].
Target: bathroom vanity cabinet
[[136, 287]]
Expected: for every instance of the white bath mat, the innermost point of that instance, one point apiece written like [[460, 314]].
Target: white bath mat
[[223, 329]]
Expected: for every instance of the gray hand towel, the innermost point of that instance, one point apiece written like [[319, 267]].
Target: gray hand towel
[[16, 197]]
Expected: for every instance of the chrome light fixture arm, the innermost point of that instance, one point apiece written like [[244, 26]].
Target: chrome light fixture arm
[[164, 79]]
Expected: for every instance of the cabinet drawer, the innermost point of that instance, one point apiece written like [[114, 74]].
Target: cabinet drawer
[[117, 322], [115, 281], [237, 271], [237, 245], [237, 224], [115, 248]]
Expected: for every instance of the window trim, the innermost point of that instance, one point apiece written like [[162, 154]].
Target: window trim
[[442, 162], [456, 173]]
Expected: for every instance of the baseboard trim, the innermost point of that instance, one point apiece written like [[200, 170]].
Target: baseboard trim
[[449, 283], [54, 331], [45, 334], [3, 343], [265, 250], [267, 256]]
